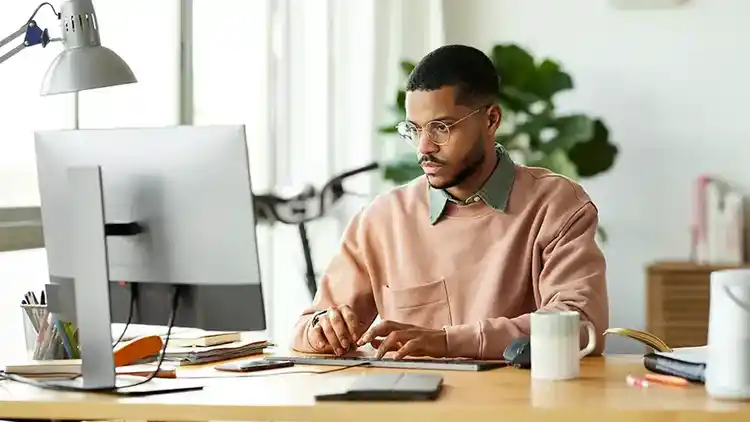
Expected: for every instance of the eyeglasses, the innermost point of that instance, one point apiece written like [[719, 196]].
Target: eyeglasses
[[438, 133]]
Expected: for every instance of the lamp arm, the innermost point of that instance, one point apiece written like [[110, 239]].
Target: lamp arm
[[33, 35], [10, 38]]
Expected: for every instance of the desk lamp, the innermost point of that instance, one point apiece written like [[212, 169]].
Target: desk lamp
[[85, 63]]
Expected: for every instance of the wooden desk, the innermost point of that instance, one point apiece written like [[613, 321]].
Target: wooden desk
[[504, 394]]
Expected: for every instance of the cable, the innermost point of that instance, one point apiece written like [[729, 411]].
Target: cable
[[328, 371], [38, 8], [133, 287], [175, 302], [111, 390]]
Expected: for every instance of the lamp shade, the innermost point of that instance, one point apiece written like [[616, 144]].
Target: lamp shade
[[85, 63]]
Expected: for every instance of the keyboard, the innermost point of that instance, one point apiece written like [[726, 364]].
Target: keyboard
[[406, 363]]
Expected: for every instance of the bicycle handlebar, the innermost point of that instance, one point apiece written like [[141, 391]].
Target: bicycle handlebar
[[363, 169], [299, 208]]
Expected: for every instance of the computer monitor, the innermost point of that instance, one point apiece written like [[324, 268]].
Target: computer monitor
[[153, 206]]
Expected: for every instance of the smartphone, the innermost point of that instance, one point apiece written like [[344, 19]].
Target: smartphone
[[253, 365]]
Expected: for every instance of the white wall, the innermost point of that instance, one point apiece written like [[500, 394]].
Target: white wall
[[671, 84]]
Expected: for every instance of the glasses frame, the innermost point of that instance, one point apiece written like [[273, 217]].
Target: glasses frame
[[414, 142]]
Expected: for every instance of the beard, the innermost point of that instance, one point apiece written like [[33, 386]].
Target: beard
[[468, 166]]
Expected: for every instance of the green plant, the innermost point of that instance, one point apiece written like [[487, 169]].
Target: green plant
[[533, 132]]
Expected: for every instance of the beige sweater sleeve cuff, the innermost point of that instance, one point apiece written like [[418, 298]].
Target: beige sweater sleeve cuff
[[464, 340]]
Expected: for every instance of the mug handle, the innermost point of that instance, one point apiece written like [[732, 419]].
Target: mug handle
[[592, 339]]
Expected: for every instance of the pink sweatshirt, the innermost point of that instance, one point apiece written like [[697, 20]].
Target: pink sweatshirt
[[477, 270]]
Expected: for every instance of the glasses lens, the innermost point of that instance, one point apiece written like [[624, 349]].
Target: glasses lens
[[408, 132], [438, 132]]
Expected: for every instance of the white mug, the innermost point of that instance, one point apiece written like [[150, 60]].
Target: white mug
[[728, 354], [555, 344]]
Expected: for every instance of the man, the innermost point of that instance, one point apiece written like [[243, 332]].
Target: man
[[455, 261]]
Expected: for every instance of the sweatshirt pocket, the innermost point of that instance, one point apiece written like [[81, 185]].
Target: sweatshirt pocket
[[425, 305]]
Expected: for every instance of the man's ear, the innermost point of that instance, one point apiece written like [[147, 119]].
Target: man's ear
[[495, 116]]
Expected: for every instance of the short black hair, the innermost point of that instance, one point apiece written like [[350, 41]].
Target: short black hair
[[467, 68]]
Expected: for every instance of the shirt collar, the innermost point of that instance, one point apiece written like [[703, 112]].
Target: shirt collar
[[494, 192]]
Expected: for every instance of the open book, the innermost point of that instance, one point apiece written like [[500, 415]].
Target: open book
[[643, 337], [683, 362]]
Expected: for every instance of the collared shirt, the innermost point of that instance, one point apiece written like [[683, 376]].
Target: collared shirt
[[494, 192]]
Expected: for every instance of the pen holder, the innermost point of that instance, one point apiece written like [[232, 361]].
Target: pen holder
[[47, 337]]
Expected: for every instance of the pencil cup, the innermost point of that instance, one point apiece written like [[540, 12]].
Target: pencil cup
[[46, 336]]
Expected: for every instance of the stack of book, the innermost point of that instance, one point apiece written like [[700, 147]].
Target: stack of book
[[192, 355], [195, 347], [684, 362]]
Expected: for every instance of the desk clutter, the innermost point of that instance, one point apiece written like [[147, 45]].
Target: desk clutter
[[188, 346], [53, 349], [47, 336], [688, 363]]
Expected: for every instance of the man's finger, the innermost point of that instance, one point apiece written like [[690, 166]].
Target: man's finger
[[411, 348], [392, 342], [331, 336], [317, 338], [352, 323], [340, 328], [376, 342], [381, 330]]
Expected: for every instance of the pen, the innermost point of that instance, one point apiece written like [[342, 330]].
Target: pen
[[40, 337], [63, 334], [666, 379]]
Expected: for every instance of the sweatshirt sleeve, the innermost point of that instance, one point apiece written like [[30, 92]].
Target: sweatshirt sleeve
[[346, 282], [572, 279]]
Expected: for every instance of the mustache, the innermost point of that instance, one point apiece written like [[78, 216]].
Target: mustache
[[430, 159]]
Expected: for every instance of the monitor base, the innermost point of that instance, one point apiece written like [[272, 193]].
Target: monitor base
[[123, 383]]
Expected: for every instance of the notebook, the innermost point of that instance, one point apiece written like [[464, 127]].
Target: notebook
[[66, 368], [199, 338], [386, 387], [689, 363]]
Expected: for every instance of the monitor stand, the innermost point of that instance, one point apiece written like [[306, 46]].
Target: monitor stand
[[91, 287]]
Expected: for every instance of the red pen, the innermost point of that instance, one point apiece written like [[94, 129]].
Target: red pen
[[666, 379]]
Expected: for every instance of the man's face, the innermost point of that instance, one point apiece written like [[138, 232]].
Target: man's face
[[461, 149]]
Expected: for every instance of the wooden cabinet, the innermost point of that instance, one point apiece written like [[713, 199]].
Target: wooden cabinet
[[677, 298]]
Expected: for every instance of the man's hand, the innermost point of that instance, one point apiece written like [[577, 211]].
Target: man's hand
[[405, 340], [338, 329]]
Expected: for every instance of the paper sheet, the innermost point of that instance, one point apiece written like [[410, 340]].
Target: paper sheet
[[688, 354]]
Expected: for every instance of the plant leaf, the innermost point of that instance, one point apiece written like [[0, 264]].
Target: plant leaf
[[401, 100], [505, 140], [571, 130], [595, 156], [513, 64], [548, 79], [402, 170], [602, 234], [558, 162], [407, 67], [515, 99], [388, 129]]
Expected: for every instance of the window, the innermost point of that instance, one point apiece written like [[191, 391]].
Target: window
[[230, 73], [146, 34], [283, 68], [231, 85], [23, 110]]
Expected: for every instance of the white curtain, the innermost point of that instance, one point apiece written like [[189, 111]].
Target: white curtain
[[337, 74]]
